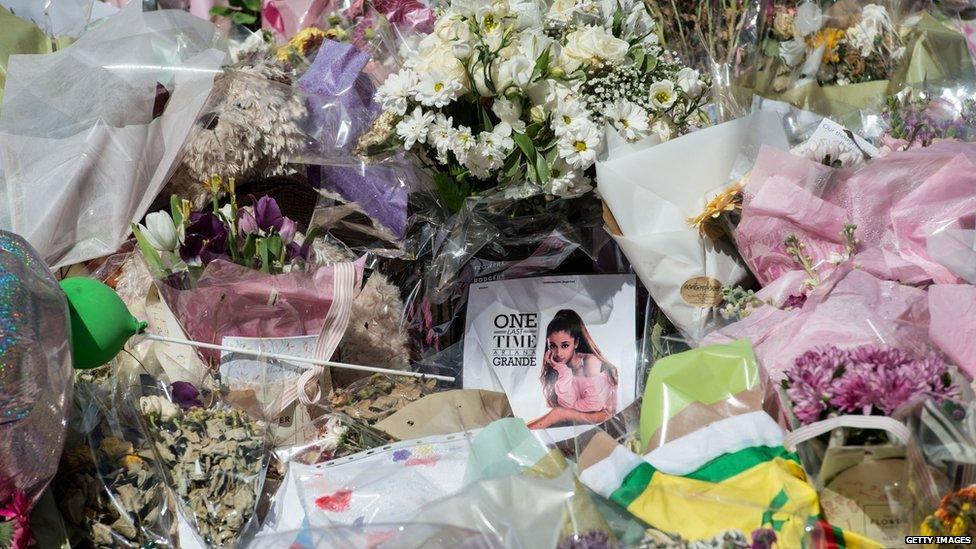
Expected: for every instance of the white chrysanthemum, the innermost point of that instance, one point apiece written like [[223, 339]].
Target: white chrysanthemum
[[396, 90], [830, 153], [441, 136], [462, 141], [437, 89], [414, 128], [580, 144], [567, 182], [662, 94], [630, 119]]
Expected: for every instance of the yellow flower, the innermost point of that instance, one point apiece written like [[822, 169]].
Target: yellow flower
[[301, 44], [958, 527], [831, 37], [925, 529], [131, 461], [726, 201]]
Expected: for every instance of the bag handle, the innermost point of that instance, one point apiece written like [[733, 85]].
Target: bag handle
[[813, 430], [333, 329]]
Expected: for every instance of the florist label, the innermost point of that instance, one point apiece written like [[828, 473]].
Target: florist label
[[702, 291]]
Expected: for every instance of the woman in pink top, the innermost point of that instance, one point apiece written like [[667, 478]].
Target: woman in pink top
[[578, 383]]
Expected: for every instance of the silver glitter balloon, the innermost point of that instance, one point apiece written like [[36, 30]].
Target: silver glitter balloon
[[35, 370]]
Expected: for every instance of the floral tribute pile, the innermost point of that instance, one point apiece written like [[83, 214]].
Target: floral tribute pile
[[566, 274]]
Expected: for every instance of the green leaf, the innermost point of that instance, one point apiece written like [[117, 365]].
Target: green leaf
[[450, 191], [542, 169], [264, 255], [150, 254], [250, 248], [242, 18], [6, 533], [275, 246], [221, 11], [177, 211], [651, 63], [252, 5], [638, 54], [541, 64], [533, 130], [524, 143], [485, 119], [618, 19]]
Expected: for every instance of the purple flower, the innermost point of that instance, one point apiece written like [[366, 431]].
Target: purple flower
[[855, 391], [206, 239], [185, 395], [267, 214], [763, 538], [288, 230], [246, 223], [294, 251], [795, 301], [593, 539], [810, 381]]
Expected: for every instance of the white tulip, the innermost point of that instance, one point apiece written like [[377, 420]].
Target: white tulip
[[160, 231]]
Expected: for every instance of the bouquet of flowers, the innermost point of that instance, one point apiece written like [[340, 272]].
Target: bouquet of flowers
[[868, 380], [241, 271], [802, 44], [487, 101]]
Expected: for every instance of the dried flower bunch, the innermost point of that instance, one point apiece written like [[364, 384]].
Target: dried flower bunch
[[487, 101], [800, 45], [377, 397], [704, 31], [215, 459], [867, 380], [339, 436], [115, 497]]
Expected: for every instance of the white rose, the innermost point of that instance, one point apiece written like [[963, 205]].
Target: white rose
[[158, 405], [792, 52], [439, 56], [516, 71], [689, 80], [592, 46], [509, 112], [809, 19], [562, 10]]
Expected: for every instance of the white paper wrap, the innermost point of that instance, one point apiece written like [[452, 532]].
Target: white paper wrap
[[653, 192]]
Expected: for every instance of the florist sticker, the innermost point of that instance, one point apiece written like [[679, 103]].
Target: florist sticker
[[563, 348]]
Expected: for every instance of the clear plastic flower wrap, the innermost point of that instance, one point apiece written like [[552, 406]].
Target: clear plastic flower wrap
[[35, 381], [109, 487], [837, 57], [214, 458], [502, 482], [88, 140]]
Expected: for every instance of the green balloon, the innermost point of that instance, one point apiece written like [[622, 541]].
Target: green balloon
[[100, 322]]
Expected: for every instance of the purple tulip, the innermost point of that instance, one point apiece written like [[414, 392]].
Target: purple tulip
[[246, 223], [298, 252], [206, 238], [267, 214], [185, 395], [288, 230]]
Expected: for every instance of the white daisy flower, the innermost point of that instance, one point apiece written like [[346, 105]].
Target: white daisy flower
[[580, 144], [393, 94], [462, 141], [414, 128], [568, 112], [441, 136], [630, 119], [662, 94], [437, 89]]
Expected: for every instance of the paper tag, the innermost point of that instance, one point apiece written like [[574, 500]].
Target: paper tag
[[831, 132], [702, 291], [264, 380]]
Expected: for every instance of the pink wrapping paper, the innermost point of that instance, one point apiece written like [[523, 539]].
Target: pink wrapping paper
[[849, 309], [953, 327], [231, 300], [896, 201]]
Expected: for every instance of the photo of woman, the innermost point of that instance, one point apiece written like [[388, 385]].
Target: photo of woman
[[578, 382]]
